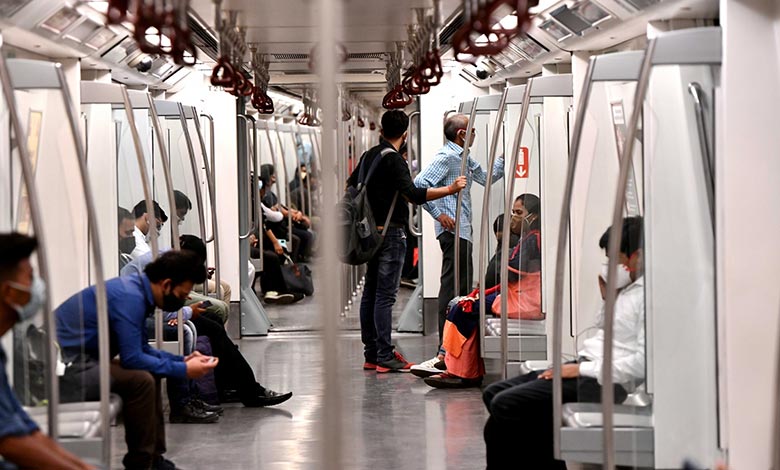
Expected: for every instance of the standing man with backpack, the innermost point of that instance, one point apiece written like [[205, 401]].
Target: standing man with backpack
[[390, 216]]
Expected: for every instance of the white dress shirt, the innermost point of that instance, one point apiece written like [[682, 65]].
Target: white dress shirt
[[628, 352], [141, 245]]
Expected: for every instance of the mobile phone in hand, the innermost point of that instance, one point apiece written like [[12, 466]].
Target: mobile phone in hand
[[206, 304]]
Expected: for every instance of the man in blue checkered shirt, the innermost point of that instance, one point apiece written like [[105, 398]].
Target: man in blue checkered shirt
[[446, 166]]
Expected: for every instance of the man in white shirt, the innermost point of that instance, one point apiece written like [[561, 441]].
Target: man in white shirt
[[521, 408], [143, 225]]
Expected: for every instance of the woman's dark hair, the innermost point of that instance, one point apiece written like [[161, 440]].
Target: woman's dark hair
[[14, 247], [193, 244], [632, 237], [533, 205], [178, 266], [394, 124]]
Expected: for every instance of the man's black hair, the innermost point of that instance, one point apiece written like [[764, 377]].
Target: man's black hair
[[193, 244], [14, 247], [267, 170], [178, 266], [140, 209], [123, 214], [404, 148], [181, 200], [394, 124], [632, 237]]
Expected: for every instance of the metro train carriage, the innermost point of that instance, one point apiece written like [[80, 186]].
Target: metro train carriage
[[409, 234]]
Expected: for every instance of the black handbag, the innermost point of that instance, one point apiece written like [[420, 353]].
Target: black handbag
[[298, 278]]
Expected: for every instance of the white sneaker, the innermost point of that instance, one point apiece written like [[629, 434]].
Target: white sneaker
[[429, 368]]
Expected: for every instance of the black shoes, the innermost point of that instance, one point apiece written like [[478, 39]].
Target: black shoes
[[202, 405], [446, 380], [229, 396], [266, 398], [191, 414]]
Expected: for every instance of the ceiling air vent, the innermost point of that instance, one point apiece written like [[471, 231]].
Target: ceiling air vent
[[290, 57], [450, 29], [367, 56]]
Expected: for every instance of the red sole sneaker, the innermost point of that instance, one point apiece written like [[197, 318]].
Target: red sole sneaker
[[369, 366]]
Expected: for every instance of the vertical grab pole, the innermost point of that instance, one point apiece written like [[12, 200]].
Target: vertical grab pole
[[166, 164], [195, 179], [104, 355], [414, 229], [286, 187], [615, 236], [331, 427], [560, 260], [256, 190], [212, 195], [508, 201], [464, 161], [42, 253], [484, 233]]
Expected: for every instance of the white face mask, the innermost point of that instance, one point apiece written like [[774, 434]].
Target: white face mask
[[37, 292], [623, 276]]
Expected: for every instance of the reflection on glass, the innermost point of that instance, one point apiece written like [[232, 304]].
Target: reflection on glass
[[555, 30]]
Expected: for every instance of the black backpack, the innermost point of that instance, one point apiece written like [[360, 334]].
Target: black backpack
[[360, 236]]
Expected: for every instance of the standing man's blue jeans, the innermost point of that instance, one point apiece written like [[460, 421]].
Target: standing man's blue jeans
[[381, 286]]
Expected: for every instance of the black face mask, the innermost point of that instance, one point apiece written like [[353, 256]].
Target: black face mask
[[171, 303], [127, 245]]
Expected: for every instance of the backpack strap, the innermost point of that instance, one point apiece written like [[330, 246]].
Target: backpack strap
[[365, 175], [389, 214]]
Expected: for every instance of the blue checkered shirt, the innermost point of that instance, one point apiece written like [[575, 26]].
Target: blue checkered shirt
[[443, 171]]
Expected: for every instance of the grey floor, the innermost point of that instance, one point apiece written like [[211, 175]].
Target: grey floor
[[390, 421]]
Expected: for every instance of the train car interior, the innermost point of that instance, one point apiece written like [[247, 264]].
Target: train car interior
[[372, 234]]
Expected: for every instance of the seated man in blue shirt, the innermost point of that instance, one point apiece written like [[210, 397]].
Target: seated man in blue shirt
[[22, 294], [165, 284], [234, 376]]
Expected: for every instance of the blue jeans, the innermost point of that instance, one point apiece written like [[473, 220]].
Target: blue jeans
[[376, 307]]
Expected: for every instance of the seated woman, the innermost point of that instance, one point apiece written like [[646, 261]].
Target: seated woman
[[465, 367]]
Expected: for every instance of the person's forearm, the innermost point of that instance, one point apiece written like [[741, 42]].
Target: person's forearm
[[438, 193], [33, 451], [271, 237]]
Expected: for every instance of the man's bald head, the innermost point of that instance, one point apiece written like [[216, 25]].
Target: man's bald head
[[453, 124]]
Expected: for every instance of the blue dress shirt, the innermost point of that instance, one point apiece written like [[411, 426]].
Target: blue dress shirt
[[443, 171], [130, 302], [14, 421], [137, 266]]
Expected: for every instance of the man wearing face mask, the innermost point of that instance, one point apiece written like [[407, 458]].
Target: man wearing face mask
[[443, 170], [22, 294], [126, 237], [387, 180], [521, 408], [166, 284], [144, 224]]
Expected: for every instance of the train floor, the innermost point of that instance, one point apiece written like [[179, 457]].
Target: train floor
[[390, 421]]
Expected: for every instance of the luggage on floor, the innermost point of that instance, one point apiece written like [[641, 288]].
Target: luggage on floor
[[207, 385]]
